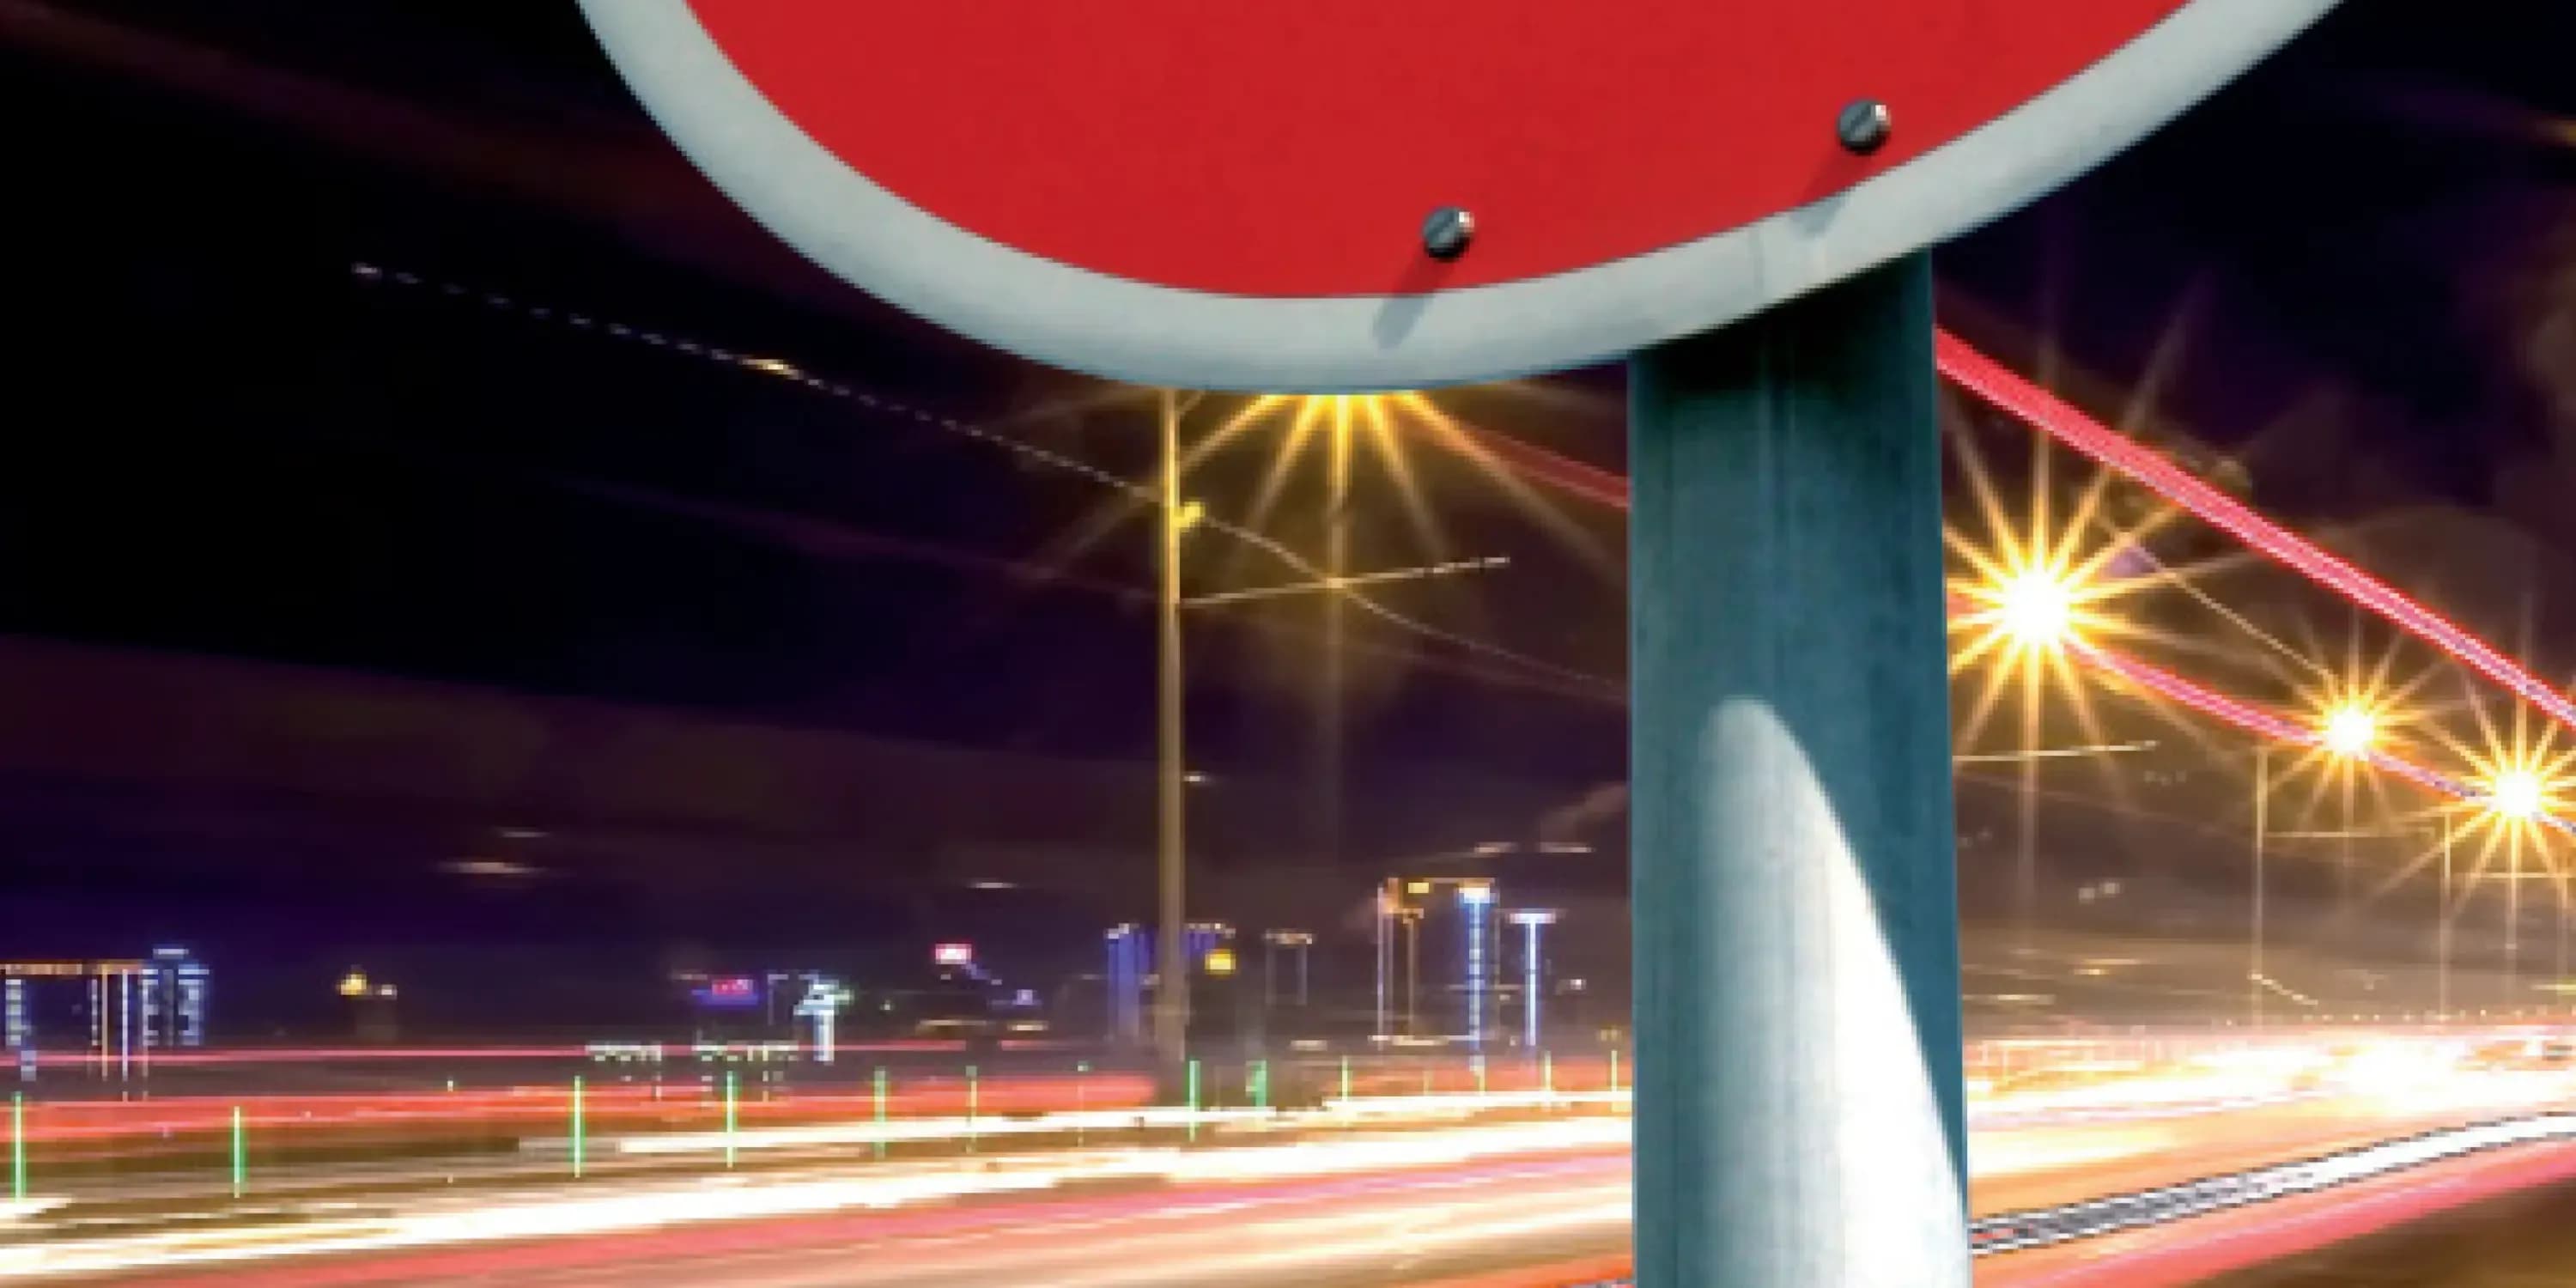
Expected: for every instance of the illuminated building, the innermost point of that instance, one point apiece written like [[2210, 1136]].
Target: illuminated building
[[1205, 939], [801, 1007], [127, 1008], [1405, 904], [174, 999], [1131, 955], [1131, 972], [820, 1011]]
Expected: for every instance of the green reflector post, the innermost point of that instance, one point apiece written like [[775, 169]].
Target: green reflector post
[[733, 1097], [240, 1163], [970, 1108], [1346, 1077], [576, 1129], [1260, 1084], [1614, 1071], [1193, 1117], [1547, 1074], [18, 1146], [879, 1083]]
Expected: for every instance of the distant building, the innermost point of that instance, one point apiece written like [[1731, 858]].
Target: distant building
[[799, 1005], [1132, 971], [174, 999], [125, 1009], [1131, 956]]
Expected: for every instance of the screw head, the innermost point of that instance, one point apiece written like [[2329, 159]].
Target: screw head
[[1864, 126], [1446, 232]]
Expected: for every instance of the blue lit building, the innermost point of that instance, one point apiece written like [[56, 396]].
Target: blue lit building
[[1131, 969], [173, 1004]]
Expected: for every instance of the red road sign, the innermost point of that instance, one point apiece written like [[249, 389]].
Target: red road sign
[[1237, 195]]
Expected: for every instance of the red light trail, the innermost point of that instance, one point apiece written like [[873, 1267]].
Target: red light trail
[[1989, 380], [1992, 381], [2044, 411]]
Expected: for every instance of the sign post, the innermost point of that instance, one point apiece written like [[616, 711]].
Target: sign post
[[1344, 195], [1799, 1098]]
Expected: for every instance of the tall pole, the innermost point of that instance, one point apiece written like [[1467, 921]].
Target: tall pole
[[2557, 879], [1385, 952], [2344, 765], [1413, 976], [1172, 968], [1329, 730], [2442, 908], [2254, 981], [1800, 1109], [1529, 986], [2513, 920]]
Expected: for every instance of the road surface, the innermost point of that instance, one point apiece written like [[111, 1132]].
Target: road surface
[[2523, 1240], [1368, 1223]]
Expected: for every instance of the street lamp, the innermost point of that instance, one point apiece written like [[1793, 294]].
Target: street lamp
[[2035, 606], [1172, 999], [2348, 732], [2516, 797], [2028, 605]]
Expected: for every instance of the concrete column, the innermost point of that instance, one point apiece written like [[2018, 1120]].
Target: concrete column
[[1800, 1115]]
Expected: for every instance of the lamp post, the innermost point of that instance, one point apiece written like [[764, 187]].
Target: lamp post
[[2442, 951], [2348, 733], [2445, 836], [1386, 905], [2516, 797], [1172, 996]]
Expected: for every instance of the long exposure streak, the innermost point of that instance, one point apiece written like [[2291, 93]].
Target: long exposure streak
[[1982, 376], [1990, 380]]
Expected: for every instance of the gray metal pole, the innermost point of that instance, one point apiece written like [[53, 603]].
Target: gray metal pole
[[1172, 969], [1800, 1117], [2442, 908]]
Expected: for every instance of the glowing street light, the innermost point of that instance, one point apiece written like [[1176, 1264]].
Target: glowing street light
[[2517, 795], [2350, 731], [2036, 607], [2523, 788]]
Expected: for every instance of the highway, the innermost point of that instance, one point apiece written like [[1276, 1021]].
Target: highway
[[1469, 1203], [2523, 1240], [1383, 1229]]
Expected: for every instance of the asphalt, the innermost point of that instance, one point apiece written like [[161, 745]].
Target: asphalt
[[2524, 1240]]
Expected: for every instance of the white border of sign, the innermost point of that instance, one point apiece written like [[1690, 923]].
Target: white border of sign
[[1130, 330]]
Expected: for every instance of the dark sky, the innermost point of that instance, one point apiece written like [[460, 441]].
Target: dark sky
[[2354, 267]]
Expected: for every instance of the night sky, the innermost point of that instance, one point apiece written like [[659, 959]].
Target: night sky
[[2354, 269]]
